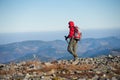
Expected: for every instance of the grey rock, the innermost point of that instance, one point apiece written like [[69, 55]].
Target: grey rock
[[114, 78], [96, 77], [82, 79]]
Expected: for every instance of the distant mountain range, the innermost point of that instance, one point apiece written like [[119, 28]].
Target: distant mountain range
[[57, 49]]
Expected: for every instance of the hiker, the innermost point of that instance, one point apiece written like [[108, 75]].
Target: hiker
[[74, 37]]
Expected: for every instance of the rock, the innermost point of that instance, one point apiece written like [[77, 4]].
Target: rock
[[82, 79], [114, 78], [42, 77], [53, 75], [118, 77], [26, 77], [2, 66], [78, 72], [96, 77], [104, 75], [110, 56], [63, 72], [48, 64], [52, 71], [98, 68]]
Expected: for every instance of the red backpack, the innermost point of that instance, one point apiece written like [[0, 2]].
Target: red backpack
[[77, 33]]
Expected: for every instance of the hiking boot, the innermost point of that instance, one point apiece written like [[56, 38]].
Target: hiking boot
[[76, 58]]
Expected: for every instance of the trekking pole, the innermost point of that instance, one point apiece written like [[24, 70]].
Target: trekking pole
[[66, 39]]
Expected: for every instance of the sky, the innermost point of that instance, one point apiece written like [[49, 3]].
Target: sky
[[54, 15]]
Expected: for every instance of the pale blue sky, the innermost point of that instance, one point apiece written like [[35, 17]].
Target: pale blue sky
[[53, 15]]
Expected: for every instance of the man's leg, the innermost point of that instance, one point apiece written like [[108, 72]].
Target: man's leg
[[70, 46], [75, 49]]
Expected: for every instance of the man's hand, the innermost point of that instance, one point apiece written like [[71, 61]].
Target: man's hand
[[66, 37]]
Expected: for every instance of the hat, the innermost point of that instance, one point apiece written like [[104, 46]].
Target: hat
[[71, 23]]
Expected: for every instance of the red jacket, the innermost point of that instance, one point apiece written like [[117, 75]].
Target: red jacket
[[71, 29], [71, 32]]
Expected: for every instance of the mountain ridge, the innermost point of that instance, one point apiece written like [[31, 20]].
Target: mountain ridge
[[57, 49]]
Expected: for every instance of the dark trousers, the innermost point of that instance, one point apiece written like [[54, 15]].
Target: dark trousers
[[72, 47]]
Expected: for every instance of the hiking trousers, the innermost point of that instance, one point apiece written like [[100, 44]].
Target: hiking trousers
[[72, 47]]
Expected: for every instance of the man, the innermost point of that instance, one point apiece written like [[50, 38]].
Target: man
[[72, 45]]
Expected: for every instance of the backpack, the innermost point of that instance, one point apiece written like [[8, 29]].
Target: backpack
[[77, 33]]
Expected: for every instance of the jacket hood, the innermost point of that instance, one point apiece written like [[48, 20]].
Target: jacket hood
[[71, 23]]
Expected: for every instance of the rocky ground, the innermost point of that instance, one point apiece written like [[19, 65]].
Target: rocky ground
[[99, 68]]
